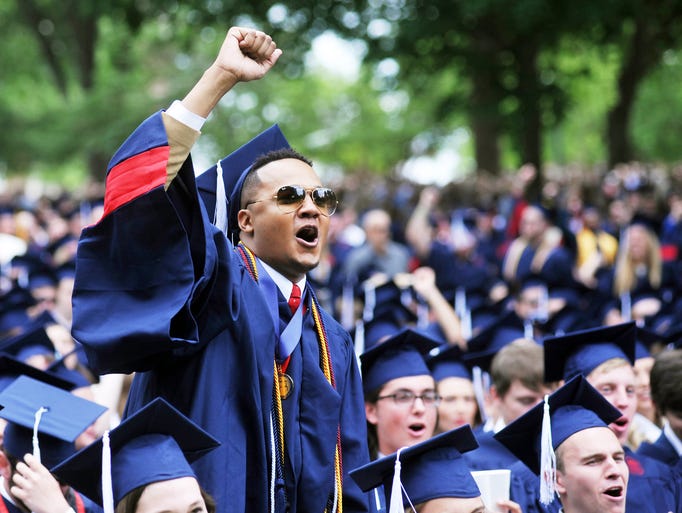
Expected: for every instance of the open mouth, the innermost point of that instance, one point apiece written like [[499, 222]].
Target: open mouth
[[614, 491], [621, 422], [308, 234], [417, 428]]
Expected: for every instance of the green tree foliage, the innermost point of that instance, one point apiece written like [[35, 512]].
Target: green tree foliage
[[533, 80]]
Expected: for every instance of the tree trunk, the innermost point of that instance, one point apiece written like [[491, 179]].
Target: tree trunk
[[485, 121], [639, 59], [529, 121]]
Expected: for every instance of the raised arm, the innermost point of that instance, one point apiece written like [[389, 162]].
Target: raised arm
[[418, 231], [245, 55], [145, 268]]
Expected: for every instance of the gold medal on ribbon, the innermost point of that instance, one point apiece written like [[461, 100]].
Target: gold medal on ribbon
[[286, 384]]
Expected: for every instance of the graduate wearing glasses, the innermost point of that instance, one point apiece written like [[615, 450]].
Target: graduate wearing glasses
[[401, 401], [199, 286]]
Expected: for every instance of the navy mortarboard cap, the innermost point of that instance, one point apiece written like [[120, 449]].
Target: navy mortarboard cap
[[383, 299], [233, 170], [448, 363], [574, 407], [498, 333], [59, 368], [59, 416], [644, 341], [13, 310], [580, 352], [43, 276], [157, 443], [66, 270], [31, 342], [11, 369], [379, 330], [429, 470], [399, 356]]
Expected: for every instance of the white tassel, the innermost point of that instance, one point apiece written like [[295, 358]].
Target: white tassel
[[220, 218], [36, 422], [347, 306], [359, 338], [547, 459], [396, 502], [480, 391], [370, 301], [107, 486]]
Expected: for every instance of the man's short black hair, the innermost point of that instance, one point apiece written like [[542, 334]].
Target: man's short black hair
[[251, 181]]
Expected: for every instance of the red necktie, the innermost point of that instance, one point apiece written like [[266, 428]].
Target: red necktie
[[294, 298]]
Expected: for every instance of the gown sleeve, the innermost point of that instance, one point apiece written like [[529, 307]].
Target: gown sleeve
[[142, 270]]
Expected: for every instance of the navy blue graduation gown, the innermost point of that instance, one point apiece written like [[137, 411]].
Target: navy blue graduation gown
[[490, 454], [160, 291], [652, 486], [525, 491], [661, 450]]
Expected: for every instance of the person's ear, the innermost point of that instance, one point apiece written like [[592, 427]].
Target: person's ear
[[560, 487], [371, 413], [245, 220]]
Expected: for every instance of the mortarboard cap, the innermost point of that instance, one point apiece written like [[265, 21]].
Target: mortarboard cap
[[645, 339], [78, 377], [497, 334], [14, 306], [580, 352], [574, 407], [379, 330], [66, 270], [429, 470], [11, 369], [448, 363], [157, 443], [42, 277], [386, 300], [65, 417], [233, 169], [400, 356], [29, 343]]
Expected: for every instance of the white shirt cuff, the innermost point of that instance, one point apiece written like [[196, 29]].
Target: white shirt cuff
[[185, 116]]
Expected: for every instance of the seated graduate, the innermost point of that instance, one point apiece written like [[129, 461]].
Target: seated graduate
[[567, 443], [454, 384], [144, 464], [666, 393], [605, 357], [400, 394], [430, 477], [43, 422], [517, 375]]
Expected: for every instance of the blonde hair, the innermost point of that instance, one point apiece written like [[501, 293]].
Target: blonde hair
[[625, 269], [609, 365]]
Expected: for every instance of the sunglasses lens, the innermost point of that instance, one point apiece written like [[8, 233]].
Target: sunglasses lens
[[290, 195], [325, 199]]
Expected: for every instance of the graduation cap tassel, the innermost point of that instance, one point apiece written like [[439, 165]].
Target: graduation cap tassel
[[220, 219], [37, 417], [396, 504], [107, 488], [479, 391], [359, 338], [547, 459]]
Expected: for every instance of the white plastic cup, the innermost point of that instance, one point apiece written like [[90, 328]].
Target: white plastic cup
[[494, 486]]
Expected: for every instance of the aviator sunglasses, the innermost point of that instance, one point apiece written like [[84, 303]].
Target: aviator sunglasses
[[290, 197]]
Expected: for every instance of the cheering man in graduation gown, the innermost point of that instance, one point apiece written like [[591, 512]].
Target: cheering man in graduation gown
[[162, 291]]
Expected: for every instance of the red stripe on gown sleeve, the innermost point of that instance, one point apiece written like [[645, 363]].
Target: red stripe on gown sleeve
[[134, 177]]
